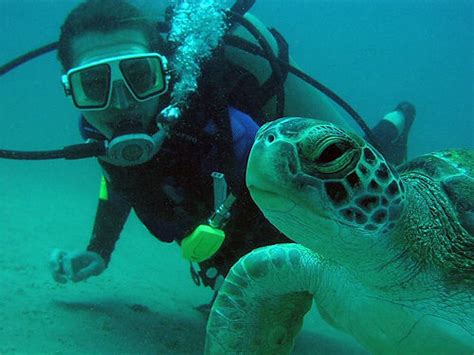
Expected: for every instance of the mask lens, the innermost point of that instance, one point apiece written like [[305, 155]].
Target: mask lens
[[145, 76], [90, 86]]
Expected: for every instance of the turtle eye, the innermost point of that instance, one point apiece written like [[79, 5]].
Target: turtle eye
[[335, 155], [332, 152]]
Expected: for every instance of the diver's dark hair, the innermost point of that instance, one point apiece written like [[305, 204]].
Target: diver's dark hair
[[104, 16]]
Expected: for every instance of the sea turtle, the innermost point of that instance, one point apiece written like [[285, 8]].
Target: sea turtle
[[387, 254]]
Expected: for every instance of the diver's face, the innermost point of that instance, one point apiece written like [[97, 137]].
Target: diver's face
[[124, 110]]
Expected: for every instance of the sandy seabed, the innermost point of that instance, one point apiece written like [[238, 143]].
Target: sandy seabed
[[144, 303]]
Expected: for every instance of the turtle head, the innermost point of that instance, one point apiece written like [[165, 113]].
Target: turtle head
[[309, 175]]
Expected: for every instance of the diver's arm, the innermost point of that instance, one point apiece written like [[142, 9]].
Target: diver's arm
[[76, 266], [112, 213]]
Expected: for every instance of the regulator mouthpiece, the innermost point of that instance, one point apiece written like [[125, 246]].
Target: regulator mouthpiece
[[134, 149], [130, 149]]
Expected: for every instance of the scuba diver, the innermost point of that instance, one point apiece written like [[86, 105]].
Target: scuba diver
[[178, 104]]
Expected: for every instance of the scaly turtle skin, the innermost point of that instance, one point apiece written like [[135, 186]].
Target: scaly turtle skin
[[387, 255]]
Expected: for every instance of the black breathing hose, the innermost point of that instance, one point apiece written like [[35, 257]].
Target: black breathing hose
[[27, 57], [76, 151]]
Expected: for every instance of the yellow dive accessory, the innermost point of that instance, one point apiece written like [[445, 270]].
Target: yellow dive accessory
[[206, 239], [202, 243], [104, 192]]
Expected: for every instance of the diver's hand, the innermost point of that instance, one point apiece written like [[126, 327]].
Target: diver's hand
[[75, 266]]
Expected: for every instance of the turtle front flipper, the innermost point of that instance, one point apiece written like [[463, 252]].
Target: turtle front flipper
[[261, 305]]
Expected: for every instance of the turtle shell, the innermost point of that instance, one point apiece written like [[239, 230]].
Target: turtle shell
[[453, 169]]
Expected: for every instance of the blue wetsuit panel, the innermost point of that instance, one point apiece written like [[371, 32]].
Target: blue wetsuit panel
[[244, 130]]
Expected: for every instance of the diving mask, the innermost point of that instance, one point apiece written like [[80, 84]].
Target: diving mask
[[91, 85]]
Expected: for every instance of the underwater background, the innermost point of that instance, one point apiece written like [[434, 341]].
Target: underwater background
[[372, 53]]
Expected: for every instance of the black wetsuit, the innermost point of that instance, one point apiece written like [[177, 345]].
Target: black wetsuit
[[172, 194]]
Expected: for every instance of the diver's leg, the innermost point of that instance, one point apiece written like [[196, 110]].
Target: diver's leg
[[392, 132]]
